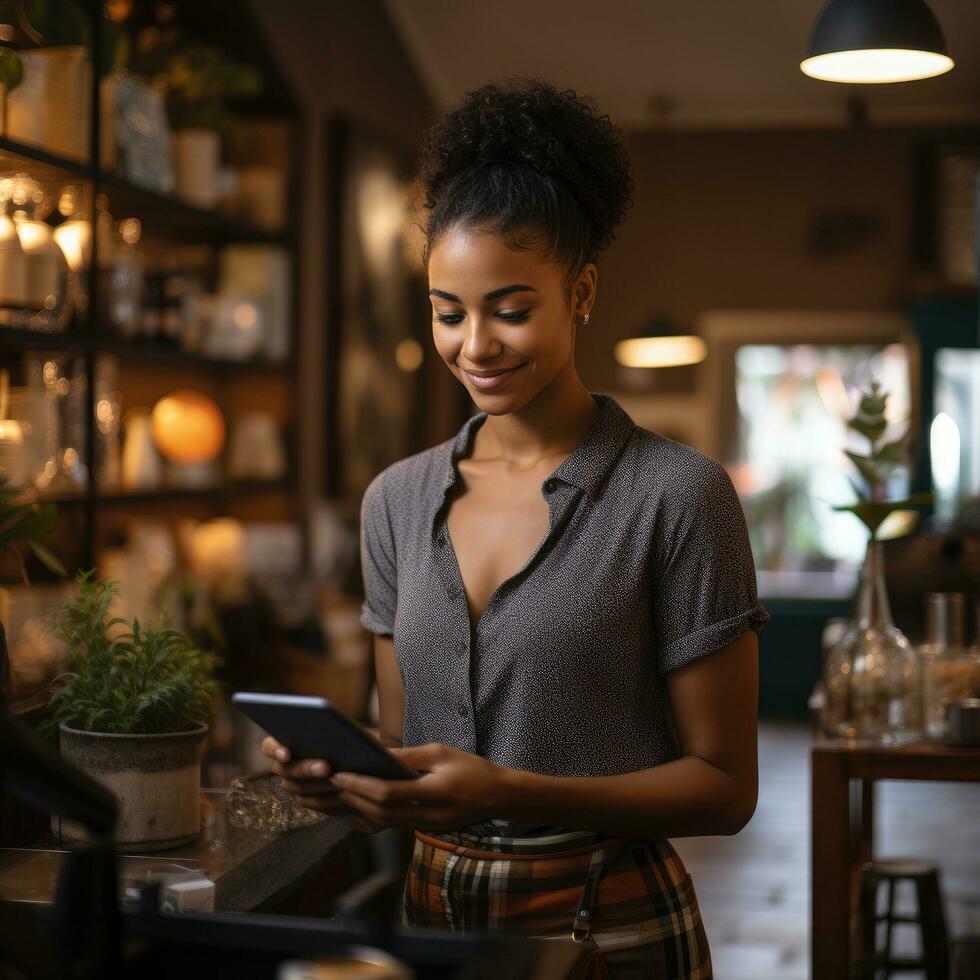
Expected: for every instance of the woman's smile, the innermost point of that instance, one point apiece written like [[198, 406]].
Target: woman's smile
[[490, 380]]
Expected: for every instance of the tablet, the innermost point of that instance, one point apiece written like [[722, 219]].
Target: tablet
[[314, 728]]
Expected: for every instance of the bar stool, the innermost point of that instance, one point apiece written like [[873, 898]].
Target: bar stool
[[924, 875]]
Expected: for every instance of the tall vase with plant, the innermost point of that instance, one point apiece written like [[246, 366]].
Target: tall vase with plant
[[133, 710], [872, 674]]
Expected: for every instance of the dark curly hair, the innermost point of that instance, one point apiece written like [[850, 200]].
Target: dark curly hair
[[540, 166]]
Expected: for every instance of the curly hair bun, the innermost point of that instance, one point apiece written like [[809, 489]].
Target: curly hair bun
[[505, 129]]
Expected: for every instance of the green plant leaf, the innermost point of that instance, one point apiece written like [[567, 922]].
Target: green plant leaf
[[859, 492], [866, 467], [869, 426], [872, 513], [872, 406], [151, 679], [12, 516], [47, 558], [893, 452], [11, 69]]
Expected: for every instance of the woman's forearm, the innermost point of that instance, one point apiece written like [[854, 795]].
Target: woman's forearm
[[688, 797]]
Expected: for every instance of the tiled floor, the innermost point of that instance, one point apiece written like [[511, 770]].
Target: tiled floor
[[754, 888]]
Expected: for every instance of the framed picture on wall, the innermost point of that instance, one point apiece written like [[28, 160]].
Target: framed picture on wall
[[375, 291], [944, 236]]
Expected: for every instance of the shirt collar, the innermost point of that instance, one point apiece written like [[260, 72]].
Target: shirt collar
[[588, 464]]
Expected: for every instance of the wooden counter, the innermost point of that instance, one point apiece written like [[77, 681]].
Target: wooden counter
[[252, 869]]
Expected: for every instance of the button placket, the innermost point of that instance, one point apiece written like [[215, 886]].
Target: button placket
[[447, 574]]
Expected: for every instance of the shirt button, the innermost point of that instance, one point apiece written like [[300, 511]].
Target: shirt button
[[549, 486], [463, 709]]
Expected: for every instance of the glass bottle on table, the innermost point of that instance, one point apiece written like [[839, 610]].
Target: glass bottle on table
[[872, 676], [950, 668]]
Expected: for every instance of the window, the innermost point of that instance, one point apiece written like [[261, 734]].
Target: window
[[793, 400], [954, 430]]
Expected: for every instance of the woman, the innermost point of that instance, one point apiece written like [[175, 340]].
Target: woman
[[564, 602]]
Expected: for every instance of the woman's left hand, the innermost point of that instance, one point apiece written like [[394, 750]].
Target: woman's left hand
[[456, 789]]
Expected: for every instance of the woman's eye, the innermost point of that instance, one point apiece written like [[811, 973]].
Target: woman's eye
[[511, 317]]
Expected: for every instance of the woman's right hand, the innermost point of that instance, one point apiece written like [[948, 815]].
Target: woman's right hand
[[308, 781]]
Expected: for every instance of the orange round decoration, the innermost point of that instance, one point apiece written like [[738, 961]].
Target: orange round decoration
[[188, 427]]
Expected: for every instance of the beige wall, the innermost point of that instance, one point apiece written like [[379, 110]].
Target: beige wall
[[720, 223]]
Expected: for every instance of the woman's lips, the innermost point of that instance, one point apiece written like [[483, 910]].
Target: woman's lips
[[494, 381]]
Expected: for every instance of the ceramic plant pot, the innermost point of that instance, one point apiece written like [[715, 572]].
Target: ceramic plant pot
[[156, 778]]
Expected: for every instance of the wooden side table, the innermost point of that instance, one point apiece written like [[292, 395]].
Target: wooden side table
[[842, 777]]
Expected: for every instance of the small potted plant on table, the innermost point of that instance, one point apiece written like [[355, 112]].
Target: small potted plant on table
[[133, 711]]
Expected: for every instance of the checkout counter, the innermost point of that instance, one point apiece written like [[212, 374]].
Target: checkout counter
[[87, 912]]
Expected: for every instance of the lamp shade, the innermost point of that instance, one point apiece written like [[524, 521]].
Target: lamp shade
[[659, 344], [188, 427], [876, 41]]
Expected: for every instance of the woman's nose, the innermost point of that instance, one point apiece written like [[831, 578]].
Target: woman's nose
[[479, 343]]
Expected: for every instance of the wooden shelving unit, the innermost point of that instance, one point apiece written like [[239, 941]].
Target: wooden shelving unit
[[229, 26]]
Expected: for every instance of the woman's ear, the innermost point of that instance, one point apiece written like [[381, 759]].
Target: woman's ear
[[584, 291]]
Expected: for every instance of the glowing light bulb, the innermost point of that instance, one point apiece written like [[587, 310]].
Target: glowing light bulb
[[188, 427], [670, 351], [73, 239], [876, 66]]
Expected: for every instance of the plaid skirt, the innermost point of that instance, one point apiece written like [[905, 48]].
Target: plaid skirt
[[632, 898]]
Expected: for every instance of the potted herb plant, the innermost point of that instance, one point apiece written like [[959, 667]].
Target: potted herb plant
[[133, 711], [872, 674]]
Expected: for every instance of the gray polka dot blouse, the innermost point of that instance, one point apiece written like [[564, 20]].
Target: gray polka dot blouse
[[645, 567]]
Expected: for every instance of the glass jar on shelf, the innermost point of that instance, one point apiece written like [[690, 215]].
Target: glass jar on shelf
[[872, 676], [950, 668], [34, 272]]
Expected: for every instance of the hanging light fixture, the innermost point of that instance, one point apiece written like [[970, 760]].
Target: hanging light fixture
[[875, 41], [660, 344]]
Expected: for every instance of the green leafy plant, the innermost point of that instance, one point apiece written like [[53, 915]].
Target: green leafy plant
[[877, 467], [143, 680], [11, 70], [196, 79], [22, 526]]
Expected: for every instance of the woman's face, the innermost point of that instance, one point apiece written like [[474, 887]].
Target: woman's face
[[502, 314]]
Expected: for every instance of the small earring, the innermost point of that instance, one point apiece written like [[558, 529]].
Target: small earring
[[585, 319]]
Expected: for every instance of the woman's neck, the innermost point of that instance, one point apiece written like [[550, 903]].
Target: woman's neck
[[552, 424]]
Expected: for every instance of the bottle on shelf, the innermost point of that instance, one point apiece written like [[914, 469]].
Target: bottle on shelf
[[120, 272], [172, 288]]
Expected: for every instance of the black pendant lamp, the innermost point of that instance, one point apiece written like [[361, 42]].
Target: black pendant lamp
[[876, 41]]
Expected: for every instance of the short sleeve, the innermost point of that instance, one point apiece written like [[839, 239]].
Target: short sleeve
[[378, 567], [705, 586]]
